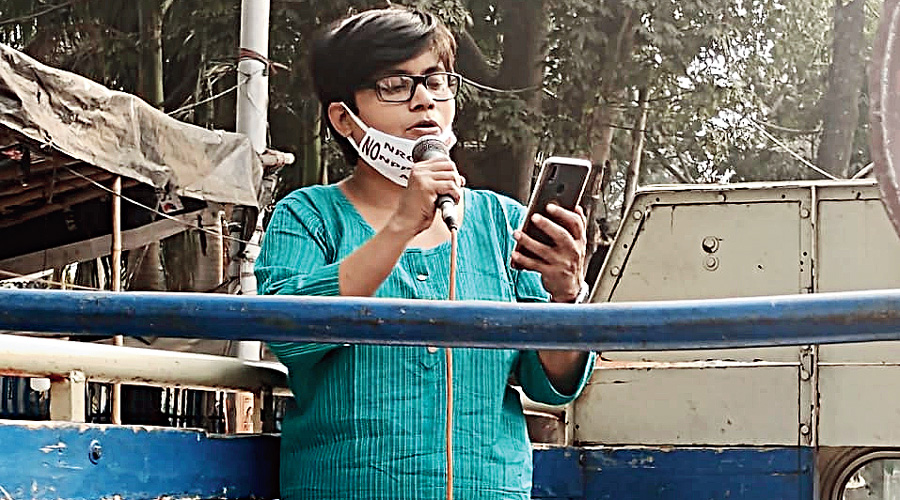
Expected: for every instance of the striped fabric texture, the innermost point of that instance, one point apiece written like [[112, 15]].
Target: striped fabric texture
[[369, 420]]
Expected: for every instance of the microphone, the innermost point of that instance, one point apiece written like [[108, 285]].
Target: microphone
[[426, 148]]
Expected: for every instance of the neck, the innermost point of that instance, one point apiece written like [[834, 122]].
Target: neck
[[372, 189]]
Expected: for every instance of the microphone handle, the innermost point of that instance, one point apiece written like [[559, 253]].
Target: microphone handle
[[448, 211], [444, 202]]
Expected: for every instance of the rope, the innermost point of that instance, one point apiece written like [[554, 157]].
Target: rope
[[791, 152], [271, 66]]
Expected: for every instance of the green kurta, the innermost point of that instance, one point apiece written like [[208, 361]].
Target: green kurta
[[369, 420]]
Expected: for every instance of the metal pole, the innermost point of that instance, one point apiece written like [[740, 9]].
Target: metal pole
[[253, 75], [819, 318], [252, 120]]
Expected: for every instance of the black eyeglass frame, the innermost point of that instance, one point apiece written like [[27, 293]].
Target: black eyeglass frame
[[417, 80]]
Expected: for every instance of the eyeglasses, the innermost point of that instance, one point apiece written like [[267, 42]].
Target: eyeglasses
[[442, 86]]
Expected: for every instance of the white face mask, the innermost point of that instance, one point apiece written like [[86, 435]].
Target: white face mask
[[391, 156]]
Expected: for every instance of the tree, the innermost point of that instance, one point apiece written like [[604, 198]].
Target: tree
[[845, 80], [734, 88]]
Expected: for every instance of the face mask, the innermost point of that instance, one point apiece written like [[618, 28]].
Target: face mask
[[389, 155]]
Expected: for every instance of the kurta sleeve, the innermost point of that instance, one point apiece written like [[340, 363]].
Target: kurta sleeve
[[295, 260], [535, 384]]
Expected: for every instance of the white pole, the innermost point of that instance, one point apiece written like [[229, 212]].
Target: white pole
[[253, 75], [252, 120]]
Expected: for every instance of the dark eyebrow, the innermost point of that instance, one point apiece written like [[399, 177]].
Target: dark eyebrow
[[400, 71], [433, 69]]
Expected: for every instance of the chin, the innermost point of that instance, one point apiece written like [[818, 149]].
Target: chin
[[415, 134]]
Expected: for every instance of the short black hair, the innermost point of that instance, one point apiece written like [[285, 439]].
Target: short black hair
[[352, 51]]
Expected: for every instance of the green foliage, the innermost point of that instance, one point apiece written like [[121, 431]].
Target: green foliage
[[716, 72], [713, 70]]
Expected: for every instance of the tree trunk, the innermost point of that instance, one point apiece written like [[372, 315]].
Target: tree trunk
[[87, 274], [193, 260], [840, 106], [311, 147], [150, 70], [620, 30], [302, 131], [524, 27], [145, 266], [149, 273], [186, 260], [633, 175]]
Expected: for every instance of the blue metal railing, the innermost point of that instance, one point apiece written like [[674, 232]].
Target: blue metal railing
[[696, 324], [141, 464]]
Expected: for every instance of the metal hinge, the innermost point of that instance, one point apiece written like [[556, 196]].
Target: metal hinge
[[809, 396]]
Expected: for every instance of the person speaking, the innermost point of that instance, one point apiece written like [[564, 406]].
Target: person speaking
[[369, 421]]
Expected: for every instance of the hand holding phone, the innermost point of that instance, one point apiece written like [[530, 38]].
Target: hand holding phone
[[561, 181]]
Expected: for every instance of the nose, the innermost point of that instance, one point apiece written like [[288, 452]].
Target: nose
[[421, 97]]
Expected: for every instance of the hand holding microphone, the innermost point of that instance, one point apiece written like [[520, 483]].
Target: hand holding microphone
[[429, 147]]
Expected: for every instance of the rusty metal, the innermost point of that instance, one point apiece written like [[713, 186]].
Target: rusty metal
[[884, 117]]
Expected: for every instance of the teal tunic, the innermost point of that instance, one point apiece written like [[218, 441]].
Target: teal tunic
[[369, 420]]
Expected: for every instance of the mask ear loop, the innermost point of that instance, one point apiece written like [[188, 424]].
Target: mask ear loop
[[357, 120]]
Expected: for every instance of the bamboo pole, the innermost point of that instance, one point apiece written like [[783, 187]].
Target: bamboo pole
[[116, 283], [116, 251]]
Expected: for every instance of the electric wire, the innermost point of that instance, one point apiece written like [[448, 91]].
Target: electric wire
[[791, 152], [488, 88], [159, 213], [188, 107]]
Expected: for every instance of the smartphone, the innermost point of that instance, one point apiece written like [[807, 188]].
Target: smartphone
[[561, 181]]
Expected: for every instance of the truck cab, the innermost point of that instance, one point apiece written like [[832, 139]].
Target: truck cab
[[775, 422]]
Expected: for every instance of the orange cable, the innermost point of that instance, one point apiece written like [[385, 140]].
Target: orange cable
[[449, 357]]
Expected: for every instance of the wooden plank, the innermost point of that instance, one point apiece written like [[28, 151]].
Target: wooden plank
[[97, 247], [19, 216], [67, 401], [32, 193]]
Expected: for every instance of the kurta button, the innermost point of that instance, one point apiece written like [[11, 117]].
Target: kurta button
[[422, 277], [432, 349]]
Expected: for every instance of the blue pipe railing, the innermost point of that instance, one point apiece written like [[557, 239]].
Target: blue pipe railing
[[695, 324]]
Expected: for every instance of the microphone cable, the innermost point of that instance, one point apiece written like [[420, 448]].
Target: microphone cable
[[449, 371], [425, 148]]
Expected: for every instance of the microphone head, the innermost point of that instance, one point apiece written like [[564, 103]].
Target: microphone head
[[428, 147]]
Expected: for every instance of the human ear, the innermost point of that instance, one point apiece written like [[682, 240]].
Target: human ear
[[340, 119]]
